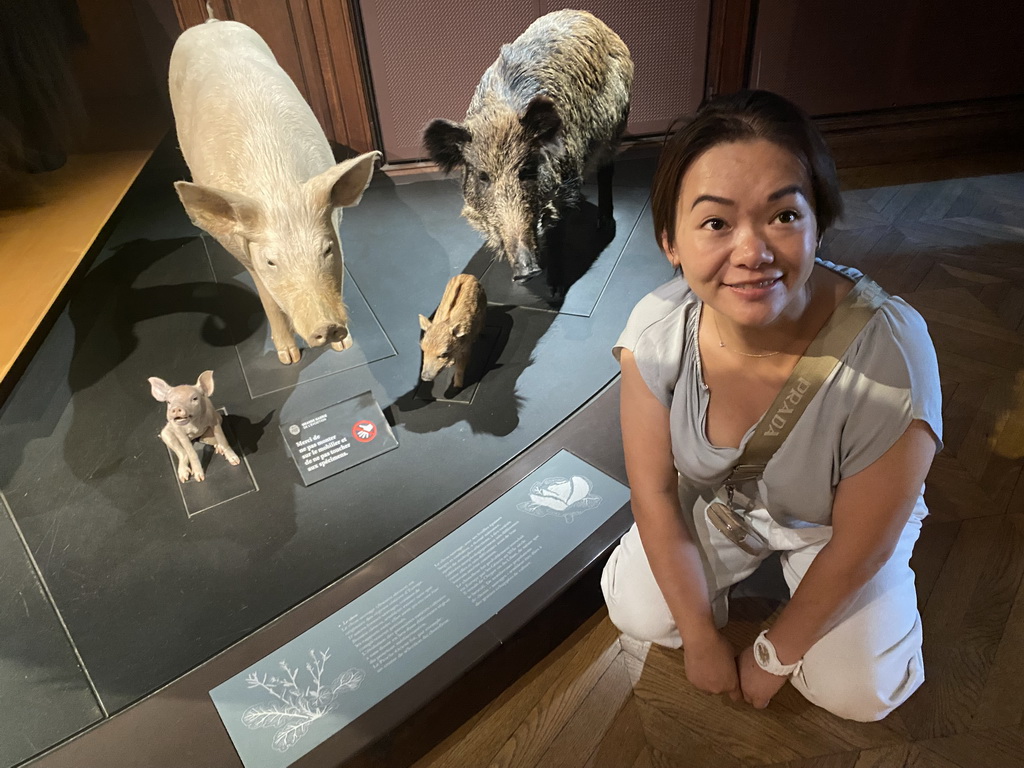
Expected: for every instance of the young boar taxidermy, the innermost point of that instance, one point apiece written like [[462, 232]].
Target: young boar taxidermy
[[448, 338], [264, 181], [551, 108]]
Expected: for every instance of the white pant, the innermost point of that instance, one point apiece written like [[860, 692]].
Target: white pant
[[864, 668]]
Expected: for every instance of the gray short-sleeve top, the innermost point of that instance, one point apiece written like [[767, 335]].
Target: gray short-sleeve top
[[887, 377]]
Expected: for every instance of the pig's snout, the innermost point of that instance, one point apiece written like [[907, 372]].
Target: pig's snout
[[525, 265], [177, 414], [329, 333]]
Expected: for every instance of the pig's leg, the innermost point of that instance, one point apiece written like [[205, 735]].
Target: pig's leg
[[188, 459], [341, 346], [339, 273], [604, 195], [222, 446], [280, 328]]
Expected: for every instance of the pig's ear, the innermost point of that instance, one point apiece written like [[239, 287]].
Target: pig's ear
[[460, 330], [342, 185], [444, 141], [424, 323], [159, 388], [218, 212], [205, 383], [540, 121]]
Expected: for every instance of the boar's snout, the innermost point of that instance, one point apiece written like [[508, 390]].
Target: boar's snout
[[525, 264], [328, 333], [430, 370]]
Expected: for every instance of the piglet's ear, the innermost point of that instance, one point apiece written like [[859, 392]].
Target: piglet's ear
[[342, 185], [159, 388], [205, 383], [444, 141], [424, 323], [219, 212], [540, 121]]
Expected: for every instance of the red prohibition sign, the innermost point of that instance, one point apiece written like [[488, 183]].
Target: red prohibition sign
[[364, 431]]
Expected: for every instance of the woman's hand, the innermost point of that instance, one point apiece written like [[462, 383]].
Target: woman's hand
[[711, 665], [756, 685]]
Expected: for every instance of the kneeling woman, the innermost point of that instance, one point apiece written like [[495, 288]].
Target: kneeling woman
[[741, 199]]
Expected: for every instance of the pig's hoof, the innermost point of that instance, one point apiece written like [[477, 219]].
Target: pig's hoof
[[234, 460], [341, 346], [183, 476], [289, 355], [200, 476]]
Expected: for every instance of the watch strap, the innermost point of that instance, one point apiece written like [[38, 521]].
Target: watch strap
[[767, 659]]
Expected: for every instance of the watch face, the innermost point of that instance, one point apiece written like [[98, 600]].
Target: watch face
[[762, 654]]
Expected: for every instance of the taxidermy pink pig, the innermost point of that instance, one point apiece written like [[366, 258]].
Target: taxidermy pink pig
[[191, 416], [448, 340], [265, 184]]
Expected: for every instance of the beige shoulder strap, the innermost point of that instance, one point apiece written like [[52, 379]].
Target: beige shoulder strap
[[818, 362]]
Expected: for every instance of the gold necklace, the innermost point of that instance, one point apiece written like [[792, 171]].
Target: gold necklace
[[714, 318]]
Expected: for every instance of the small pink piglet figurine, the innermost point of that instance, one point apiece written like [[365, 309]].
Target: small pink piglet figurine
[[191, 416]]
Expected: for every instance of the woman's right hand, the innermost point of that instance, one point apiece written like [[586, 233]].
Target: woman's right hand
[[711, 665]]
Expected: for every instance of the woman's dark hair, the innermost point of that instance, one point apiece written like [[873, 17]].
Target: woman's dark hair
[[745, 116]]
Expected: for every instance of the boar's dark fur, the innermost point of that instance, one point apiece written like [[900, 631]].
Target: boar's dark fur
[[552, 107]]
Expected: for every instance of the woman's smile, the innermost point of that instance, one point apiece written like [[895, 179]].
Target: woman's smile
[[751, 288]]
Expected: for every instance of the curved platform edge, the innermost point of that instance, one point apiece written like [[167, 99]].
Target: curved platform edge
[[179, 724]]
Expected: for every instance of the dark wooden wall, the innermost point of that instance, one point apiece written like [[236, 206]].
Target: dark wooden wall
[[887, 81]]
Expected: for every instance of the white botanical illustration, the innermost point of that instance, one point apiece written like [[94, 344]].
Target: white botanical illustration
[[296, 707], [561, 497]]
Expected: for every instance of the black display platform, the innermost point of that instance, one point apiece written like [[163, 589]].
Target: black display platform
[[146, 591]]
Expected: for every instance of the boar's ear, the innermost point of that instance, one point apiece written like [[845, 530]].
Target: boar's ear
[[444, 141], [218, 212], [159, 388], [342, 185], [424, 323], [205, 383], [540, 121]]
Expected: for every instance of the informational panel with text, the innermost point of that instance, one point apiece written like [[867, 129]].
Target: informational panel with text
[[285, 705]]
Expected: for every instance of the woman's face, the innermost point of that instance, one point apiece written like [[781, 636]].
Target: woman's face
[[745, 231]]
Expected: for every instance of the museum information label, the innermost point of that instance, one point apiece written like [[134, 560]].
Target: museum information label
[[338, 437], [283, 706]]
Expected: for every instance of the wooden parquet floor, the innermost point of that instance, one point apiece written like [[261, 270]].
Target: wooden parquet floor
[[955, 250]]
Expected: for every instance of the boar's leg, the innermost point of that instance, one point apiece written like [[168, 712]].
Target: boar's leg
[[604, 195], [459, 374], [188, 459], [280, 328], [222, 446]]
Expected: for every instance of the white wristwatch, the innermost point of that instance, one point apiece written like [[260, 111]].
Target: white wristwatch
[[768, 660]]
